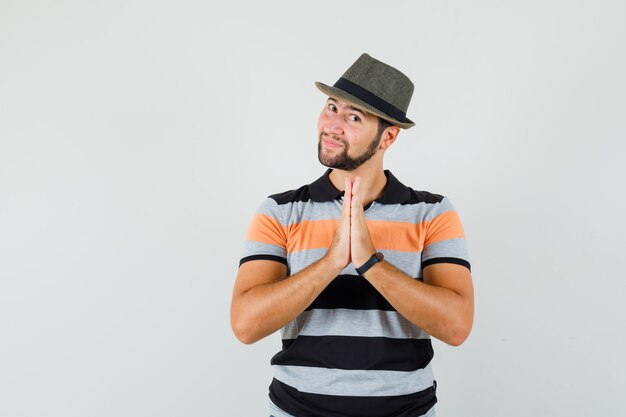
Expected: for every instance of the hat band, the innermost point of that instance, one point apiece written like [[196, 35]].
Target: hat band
[[371, 99]]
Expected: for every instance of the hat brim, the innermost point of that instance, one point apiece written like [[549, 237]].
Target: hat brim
[[339, 94]]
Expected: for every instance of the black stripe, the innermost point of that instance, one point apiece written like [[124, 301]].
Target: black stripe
[[444, 260], [264, 257], [299, 403], [417, 197], [371, 99], [292, 196], [356, 353], [351, 291]]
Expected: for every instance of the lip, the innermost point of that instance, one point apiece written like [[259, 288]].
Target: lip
[[331, 144]]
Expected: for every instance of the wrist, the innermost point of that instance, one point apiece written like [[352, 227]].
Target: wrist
[[331, 265], [369, 263]]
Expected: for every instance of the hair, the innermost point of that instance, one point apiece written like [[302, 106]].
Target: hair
[[382, 125]]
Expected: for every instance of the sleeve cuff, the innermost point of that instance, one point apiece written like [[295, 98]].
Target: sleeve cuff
[[457, 261], [264, 257]]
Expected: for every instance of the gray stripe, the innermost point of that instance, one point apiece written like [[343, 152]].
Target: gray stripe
[[293, 213], [414, 214], [301, 259], [277, 412], [312, 211], [407, 262], [271, 208], [450, 248], [354, 382], [252, 247], [347, 322]]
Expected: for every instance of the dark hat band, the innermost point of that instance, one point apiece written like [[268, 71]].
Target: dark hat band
[[371, 99]]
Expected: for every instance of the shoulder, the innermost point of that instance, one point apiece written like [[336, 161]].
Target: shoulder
[[277, 204], [291, 196], [426, 204], [421, 196]]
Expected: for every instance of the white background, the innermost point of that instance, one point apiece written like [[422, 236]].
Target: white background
[[138, 137]]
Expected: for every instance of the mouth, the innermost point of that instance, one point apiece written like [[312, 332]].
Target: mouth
[[331, 143]]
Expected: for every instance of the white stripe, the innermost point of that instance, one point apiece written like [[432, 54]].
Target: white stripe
[[449, 248], [356, 383], [407, 262], [347, 322]]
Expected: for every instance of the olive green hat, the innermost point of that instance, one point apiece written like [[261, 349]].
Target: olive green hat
[[375, 87]]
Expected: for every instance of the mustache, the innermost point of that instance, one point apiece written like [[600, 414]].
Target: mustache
[[336, 138]]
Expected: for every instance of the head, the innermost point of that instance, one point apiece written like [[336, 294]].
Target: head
[[353, 128], [375, 87], [349, 136]]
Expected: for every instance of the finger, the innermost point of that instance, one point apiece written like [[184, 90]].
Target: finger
[[347, 197], [356, 193]]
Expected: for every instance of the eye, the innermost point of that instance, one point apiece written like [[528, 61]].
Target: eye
[[331, 107], [355, 118]]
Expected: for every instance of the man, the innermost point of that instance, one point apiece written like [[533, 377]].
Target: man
[[356, 269]]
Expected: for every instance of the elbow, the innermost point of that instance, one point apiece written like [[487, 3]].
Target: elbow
[[243, 331], [459, 334], [456, 339], [460, 329], [244, 337]]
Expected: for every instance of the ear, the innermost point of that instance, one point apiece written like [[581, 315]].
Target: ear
[[389, 136]]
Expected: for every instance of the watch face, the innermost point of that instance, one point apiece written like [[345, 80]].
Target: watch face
[[380, 256]]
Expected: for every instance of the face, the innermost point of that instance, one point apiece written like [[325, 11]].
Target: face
[[348, 136]]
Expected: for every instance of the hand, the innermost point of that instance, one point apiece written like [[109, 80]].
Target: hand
[[339, 251], [361, 246]]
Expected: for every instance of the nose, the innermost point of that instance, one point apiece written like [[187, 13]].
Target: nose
[[333, 125]]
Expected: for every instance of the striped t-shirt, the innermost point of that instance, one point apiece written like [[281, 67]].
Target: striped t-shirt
[[350, 353]]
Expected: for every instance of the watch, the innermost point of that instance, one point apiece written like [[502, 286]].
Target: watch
[[377, 257]]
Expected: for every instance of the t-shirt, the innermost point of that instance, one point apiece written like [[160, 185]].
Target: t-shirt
[[350, 353]]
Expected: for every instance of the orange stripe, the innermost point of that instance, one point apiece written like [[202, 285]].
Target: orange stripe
[[318, 234], [386, 235], [267, 229], [311, 234], [400, 236], [445, 226]]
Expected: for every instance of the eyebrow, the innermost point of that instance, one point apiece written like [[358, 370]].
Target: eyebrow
[[354, 109]]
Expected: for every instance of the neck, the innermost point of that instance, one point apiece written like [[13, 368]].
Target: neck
[[373, 181]]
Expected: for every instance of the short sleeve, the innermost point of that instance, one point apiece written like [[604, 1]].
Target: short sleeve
[[445, 239], [267, 236]]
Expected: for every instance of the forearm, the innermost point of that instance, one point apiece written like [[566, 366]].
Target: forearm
[[263, 309], [439, 311]]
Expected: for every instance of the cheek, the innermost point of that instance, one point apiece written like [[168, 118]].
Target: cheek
[[320, 121]]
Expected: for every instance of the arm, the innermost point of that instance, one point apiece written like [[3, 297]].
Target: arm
[[265, 299], [442, 305]]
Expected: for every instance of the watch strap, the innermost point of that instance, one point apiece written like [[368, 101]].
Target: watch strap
[[373, 260]]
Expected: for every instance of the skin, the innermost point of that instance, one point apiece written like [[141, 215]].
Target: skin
[[265, 298]]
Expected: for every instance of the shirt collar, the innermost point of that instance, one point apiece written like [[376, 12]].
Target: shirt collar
[[395, 192]]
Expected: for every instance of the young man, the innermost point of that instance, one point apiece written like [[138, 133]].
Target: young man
[[356, 269]]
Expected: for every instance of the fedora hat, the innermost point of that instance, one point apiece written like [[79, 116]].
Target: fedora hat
[[375, 87]]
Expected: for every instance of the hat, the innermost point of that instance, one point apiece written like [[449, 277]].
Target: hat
[[375, 87]]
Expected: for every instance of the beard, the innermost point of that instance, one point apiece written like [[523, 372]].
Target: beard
[[342, 160]]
